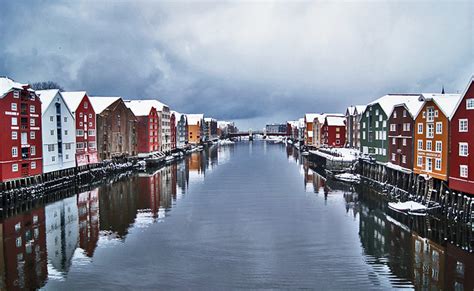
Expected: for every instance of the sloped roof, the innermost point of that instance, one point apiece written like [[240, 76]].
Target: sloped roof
[[350, 110], [446, 102], [336, 120], [73, 99], [46, 96], [387, 102], [100, 103], [143, 107], [209, 119], [469, 84], [193, 119], [311, 116], [360, 108], [412, 105], [7, 84]]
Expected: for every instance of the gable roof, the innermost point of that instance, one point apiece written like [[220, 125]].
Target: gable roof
[[100, 103], [7, 84], [446, 102], [412, 105], [469, 84], [359, 109], [46, 96], [143, 107], [73, 99], [335, 120], [193, 119], [350, 110], [387, 102]]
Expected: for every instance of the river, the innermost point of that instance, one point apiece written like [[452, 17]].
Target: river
[[248, 215]]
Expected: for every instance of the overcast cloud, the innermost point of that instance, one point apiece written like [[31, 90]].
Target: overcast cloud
[[243, 61]]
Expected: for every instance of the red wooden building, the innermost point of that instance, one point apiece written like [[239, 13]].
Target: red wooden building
[[461, 162], [401, 133], [20, 124], [86, 140], [173, 131], [334, 131], [148, 130]]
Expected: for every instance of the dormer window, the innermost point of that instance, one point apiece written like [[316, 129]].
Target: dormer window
[[16, 94]]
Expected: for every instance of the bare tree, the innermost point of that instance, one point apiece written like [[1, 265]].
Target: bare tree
[[46, 85]]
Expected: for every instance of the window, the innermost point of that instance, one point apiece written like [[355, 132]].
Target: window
[[429, 145], [394, 156], [53, 158], [16, 94], [419, 161], [51, 132], [90, 115], [32, 109], [470, 103], [430, 130], [439, 146], [463, 149], [14, 135], [404, 142], [438, 164], [80, 132], [424, 114], [404, 113], [65, 132], [363, 135], [430, 114], [51, 148], [436, 113], [14, 107], [68, 146], [80, 115], [420, 128], [463, 125], [394, 141], [393, 127], [376, 124], [394, 114], [33, 150], [33, 165], [367, 114], [90, 124], [463, 171], [14, 121], [439, 127], [80, 145], [406, 127], [15, 168], [404, 159], [376, 112], [86, 105], [420, 144], [429, 164], [80, 123], [384, 152], [14, 152], [92, 145], [384, 123], [65, 119], [363, 124], [32, 122], [67, 156], [32, 135]]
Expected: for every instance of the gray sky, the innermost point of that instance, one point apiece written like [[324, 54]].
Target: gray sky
[[251, 62]]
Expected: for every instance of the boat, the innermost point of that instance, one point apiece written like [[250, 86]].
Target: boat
[[348, 177], [408, 208], [306, 153], [140, 165]]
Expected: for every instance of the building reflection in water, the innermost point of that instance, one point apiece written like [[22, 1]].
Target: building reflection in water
[[88, 208]]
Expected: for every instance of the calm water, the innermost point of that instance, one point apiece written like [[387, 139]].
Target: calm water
[[249, 215]]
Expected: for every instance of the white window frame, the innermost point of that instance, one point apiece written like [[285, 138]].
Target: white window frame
[[14, 107], [463, 171], [438, 163], [14, 167], [420, 128], [14, 121], [439, 125], [404, 142], [32, 135], [470, 103], [394, 157], [429, 145], [430, 130], [14, 135], [32, 109], [463, 145], [33, 165], [463, 125], [420, 144], [14, 152], [439, 146], [419, 161]]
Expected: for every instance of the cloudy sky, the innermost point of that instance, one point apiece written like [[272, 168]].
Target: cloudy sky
[[251, 62]]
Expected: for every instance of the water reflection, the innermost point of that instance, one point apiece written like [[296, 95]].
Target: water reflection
[[58, 242]]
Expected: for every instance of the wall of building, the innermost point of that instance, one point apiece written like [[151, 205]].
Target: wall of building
[[86, 142], [400, 138], [374, 133]]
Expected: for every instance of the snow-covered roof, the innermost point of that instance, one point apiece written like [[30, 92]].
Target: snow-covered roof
[[388, 101], [412, 105], [311, 116], [209, 119], [301, 123], [469, 84], [193, 119], [360, 108], [335, 121], [143, 107], [100, 103], [446, 102], [73, 99], [46, 96], [350, 110], [7, 84], [293, 123], [177, 116]]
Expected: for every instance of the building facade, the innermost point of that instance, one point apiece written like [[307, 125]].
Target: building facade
[[317, 135], [195, 128], [147, 127], [308, 131], [116, 128], [461, 170], [173, 131], [210, 129], [86, 141], [432, 135], [20, 121], [164, 116], [401, 133], [353, 116], [58, 132], [334, 131], [275, 128], [181, 130]]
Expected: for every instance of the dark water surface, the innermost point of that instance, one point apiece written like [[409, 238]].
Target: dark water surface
[[249, 215]]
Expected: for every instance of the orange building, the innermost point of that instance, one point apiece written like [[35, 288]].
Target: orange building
[[432, 135], [308, 132], [195, 128]]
